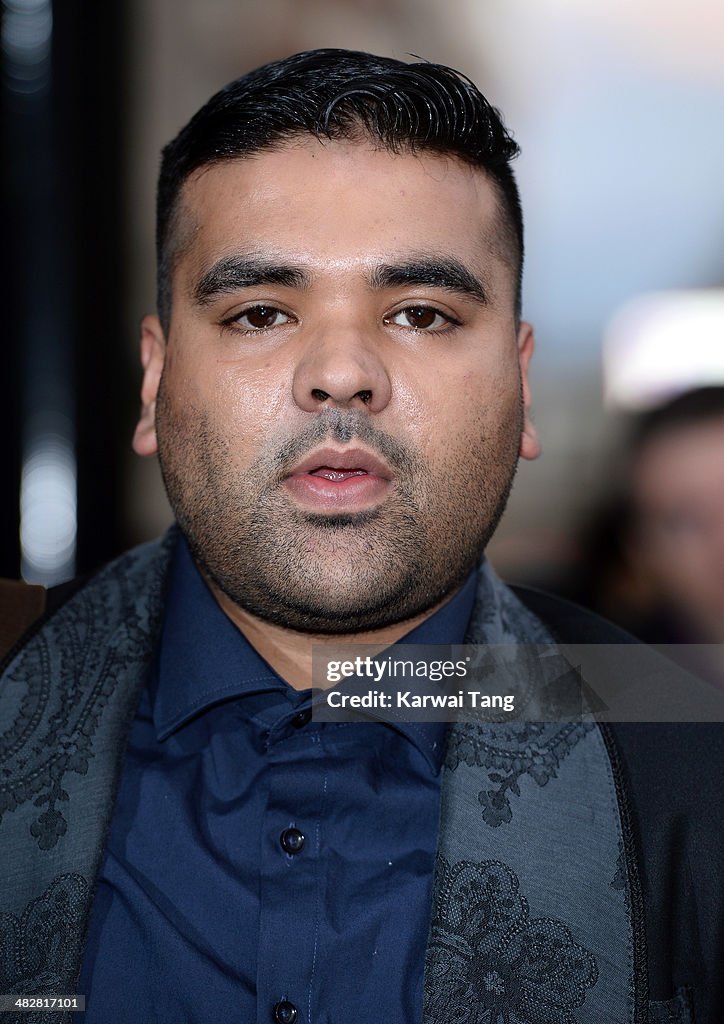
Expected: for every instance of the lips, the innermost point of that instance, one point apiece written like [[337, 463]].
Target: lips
[[343, 461], [339, 480]]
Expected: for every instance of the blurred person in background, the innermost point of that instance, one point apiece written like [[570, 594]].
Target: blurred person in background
[[336, 385], [676, 530], [653, 553]]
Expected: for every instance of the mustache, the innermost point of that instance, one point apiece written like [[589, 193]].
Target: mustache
[[344, 426]]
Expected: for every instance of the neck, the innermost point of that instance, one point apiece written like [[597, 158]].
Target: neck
[[290, 653]]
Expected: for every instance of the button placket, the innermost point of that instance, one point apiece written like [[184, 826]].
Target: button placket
[[289, 882]]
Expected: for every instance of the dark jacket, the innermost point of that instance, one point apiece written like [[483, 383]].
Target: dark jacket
[[671, 778]]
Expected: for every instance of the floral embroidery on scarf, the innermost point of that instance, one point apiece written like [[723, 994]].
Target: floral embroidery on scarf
[[40, 948], [509, 752], [490, 962]]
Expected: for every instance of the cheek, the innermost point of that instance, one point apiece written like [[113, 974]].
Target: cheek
[[484, 413], [238, 403], [458, 406]]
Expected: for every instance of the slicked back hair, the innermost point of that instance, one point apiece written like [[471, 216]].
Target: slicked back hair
[[341, 94]]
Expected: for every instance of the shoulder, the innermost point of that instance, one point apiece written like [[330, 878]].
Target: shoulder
[[670, 781], [676, 756], [672, 771], [134, 579], [568, 622]]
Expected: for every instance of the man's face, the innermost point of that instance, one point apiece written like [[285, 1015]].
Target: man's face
[[343, 387]]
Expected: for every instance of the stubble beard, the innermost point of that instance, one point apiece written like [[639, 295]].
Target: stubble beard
[[324, 573]]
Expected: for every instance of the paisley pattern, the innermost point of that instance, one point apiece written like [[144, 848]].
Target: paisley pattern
[[40, 948], [59, 686], [499, 617], [490, 962], [508, 752]]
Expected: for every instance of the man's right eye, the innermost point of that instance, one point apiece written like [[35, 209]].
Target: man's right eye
[[258, 318]]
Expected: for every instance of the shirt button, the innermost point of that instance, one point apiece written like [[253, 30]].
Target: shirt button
[[301, 719], [292, 841], [285, 1012]]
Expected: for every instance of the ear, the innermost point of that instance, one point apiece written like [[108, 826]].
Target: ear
[[529, 444], [153, 354]]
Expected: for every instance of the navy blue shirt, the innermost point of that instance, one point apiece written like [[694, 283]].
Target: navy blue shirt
[[258, 862]]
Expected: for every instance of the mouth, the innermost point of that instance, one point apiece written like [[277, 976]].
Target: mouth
[[340, 480]]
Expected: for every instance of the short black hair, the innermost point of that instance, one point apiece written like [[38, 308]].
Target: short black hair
[[341, 94]]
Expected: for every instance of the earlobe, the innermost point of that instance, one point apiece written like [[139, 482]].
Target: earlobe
[[529, 444], [153, 354]]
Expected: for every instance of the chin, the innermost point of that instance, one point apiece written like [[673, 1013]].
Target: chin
[[332, 603]]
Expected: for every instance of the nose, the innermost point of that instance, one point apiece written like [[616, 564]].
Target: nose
[[341, 369]]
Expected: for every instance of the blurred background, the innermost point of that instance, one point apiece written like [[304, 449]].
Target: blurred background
[[619, 111]]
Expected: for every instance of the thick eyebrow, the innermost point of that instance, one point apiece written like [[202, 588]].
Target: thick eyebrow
[[433, 272], [246, 271]]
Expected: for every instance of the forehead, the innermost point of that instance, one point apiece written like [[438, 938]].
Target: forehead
[[340, 203]]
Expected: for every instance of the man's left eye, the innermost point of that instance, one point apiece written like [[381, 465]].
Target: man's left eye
[[420, 318]]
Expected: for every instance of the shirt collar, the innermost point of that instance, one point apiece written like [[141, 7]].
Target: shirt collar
[[203, 658]]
